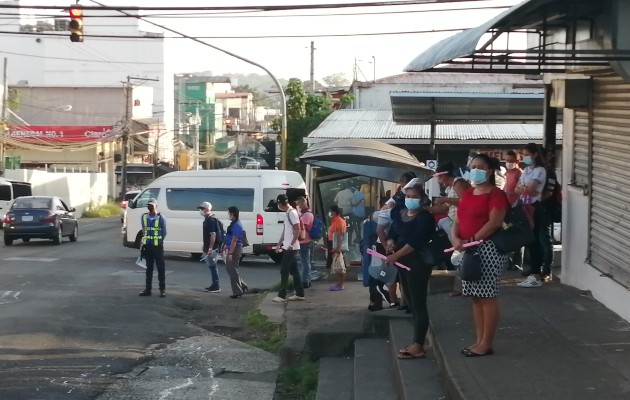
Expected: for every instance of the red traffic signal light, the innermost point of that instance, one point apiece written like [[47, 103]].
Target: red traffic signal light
[[76, 25]]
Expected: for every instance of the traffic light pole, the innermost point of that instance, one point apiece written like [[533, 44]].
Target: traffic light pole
[[283, 129], [5, 105]]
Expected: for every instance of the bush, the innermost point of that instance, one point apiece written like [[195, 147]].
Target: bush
[[104, 211]]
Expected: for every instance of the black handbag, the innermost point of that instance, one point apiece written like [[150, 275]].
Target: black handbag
[[515, 233], [471, 265], [433, 252]]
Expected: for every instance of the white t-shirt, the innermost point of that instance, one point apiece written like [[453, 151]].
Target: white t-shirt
[[452, 210], [291, 219], [529, 175], [343, 199]]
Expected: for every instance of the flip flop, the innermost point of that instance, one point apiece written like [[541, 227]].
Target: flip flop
[[408, 356], [471, 353], [405, 350]]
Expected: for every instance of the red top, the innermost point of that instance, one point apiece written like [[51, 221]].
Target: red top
[[474, 210], [511, 180]]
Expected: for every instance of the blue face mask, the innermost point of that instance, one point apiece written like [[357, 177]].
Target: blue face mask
[[412, 204], [478, 176], [528, 160]]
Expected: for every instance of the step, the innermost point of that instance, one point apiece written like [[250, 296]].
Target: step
[[416, 379], [335, 378], [373, 372]]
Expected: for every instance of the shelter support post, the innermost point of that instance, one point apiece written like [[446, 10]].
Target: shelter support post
[[550, 121]]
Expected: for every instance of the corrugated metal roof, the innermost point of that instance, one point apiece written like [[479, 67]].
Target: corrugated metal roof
[[369, 124], [449, 78]]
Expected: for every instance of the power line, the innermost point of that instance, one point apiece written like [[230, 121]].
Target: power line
[[237, 8], [265, 15], [243, 37], [77, 59]]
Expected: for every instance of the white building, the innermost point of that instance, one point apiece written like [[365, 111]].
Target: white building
[[40, 60]]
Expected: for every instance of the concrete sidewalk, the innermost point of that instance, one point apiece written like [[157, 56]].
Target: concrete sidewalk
[[553, 342]]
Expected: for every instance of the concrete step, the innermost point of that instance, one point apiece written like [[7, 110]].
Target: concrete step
[[335, 378], [415, 379], [373, 372]]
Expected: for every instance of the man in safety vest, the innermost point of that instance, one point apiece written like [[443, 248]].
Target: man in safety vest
[[154, 230]]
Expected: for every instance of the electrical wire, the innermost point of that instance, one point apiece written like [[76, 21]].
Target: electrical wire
[[245, 37]]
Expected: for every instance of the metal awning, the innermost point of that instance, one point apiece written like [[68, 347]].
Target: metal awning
[[490, 47], [365, 157], [418, 108]]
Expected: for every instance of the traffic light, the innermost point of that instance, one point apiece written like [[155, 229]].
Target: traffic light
[[76, 25], [270, 156]]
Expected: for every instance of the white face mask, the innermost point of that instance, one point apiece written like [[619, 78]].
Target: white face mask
[[510, 165], [202, 212]]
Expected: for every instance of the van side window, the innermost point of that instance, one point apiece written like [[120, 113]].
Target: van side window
[[5, 193], [187, 199], [269, 199], [147, 195]]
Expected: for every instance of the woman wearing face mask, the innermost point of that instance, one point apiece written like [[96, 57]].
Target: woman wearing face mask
[[234, 251], [530, 188], [480, 214], [512, 177], [410, 231]]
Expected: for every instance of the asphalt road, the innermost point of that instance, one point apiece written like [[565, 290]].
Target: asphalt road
[[71, 319]]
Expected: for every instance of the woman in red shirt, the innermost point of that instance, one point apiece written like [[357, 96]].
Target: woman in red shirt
[[480, 214]]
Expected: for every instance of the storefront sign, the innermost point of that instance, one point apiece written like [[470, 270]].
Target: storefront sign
[[496, 153], [61, 134]]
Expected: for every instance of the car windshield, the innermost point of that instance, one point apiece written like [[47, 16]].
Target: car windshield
[[131, 196], [24, 203]]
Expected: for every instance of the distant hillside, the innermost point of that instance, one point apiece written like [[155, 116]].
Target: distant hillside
[[259, 82]]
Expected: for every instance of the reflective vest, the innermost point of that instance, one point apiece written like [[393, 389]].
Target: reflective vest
[[152, 234]]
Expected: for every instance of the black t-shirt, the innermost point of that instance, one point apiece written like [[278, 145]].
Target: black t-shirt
[[209, 227], [416, 232]]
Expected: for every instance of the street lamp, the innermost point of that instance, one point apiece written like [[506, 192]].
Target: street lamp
[[283, 130]]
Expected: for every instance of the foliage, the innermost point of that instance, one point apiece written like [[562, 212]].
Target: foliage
[[104, 211], [296, 100], [14, 100], [346, 100], [336, 80], [270, 336], [318, 85], [299, 383]]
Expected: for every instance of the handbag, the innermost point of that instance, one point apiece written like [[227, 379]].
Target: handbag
[[433, 252], [471, 265], [515, 233], [344, 241]]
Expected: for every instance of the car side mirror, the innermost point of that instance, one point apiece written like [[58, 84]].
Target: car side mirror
[[73, 209]]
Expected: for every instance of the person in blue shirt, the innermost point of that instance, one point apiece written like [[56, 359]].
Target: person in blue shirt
[[234, 251], [154, 232], [358, 213]]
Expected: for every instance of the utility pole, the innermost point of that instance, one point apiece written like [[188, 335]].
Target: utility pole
[[312, 67], [5, 105], [125, 137], [374, 68]]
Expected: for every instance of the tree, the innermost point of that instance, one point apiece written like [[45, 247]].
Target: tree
[[337, 80], [304, 113]]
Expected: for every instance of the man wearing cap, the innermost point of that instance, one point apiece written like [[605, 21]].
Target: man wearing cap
[[289, 243], [210, 228], [154, 232]]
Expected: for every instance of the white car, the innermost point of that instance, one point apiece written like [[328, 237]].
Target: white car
[[130, 195]]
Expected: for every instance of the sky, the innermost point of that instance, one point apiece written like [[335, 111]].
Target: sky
[[290, 57]]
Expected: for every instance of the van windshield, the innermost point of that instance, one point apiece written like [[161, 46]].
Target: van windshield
[[187, 199]]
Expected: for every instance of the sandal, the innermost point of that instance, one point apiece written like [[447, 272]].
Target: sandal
[[409, 356]]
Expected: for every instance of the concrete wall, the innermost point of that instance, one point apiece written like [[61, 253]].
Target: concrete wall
[[78, 190], [575, 214]]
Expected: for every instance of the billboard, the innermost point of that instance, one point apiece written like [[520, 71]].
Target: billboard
[[61, 134]]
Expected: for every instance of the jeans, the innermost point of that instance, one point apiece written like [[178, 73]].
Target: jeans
[[155, 255], [541, 249], [416, 284], [290, 266], [211, 262], [446, 224], [306, 262]]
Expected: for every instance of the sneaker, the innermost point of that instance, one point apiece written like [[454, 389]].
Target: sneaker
[[145, 293], [530, 282], [335, 288], [213, 289], [296, 298], [547, 278], [279, 299]]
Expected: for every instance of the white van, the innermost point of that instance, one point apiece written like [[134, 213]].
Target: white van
[[179, 193], [9, 191]]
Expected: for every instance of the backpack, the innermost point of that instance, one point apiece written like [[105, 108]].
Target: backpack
[[220, 232], [317, 230], [554, 201]]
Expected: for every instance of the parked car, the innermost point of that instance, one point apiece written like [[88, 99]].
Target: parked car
[[10, 190], [40, 217], [130, 195]]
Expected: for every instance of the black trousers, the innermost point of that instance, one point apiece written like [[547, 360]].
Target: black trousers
[[416, 285], [541, 249], [290, 266], [155, 255], [373, 284]]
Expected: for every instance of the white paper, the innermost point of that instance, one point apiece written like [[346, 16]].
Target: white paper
[[142, 263]]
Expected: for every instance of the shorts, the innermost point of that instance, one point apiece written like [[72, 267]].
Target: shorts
[[338, 264]]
